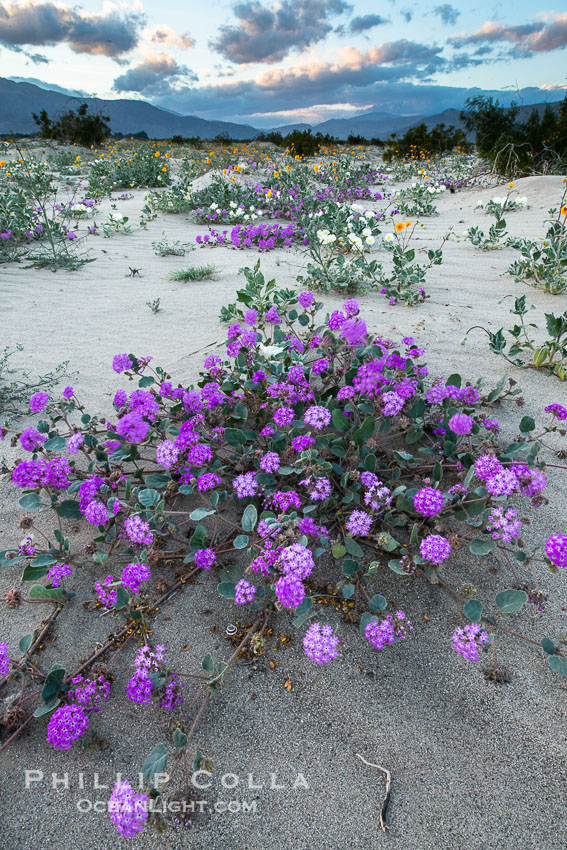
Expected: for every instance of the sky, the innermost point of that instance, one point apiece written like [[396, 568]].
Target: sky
[[275, 62]]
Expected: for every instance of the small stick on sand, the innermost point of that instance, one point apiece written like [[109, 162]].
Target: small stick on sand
[[386, 798]]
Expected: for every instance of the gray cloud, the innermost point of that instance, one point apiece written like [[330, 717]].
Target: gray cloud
[[534, 37], [407, 15], [269, 33], [44, 23], [157, 75], [447, 13], [246, 101], [362, 23]]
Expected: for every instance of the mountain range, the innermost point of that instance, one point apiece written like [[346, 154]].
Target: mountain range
[[19, 99]]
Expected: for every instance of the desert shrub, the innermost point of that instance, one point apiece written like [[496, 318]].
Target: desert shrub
[[76, 126], [419, 142], [515, 147]]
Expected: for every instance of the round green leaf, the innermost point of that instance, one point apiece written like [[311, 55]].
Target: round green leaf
[[473, 610], [510, 601], [558, 664]]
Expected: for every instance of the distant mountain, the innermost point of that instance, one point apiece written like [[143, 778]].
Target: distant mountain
[[19, 100]]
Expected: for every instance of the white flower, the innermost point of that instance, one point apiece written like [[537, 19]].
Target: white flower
[[370, 240], [389, 237], [479, 203], [366, 232], [246, 217], [251, 208], [214, 207], [233, 205]]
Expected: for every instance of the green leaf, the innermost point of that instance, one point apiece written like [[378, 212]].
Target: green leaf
[[548, 646], [340, 421], [395, 567], [338, 550], [353, 548], [378, 602], [146, 381], [473, 610], [179, 739], [69, 509], [199, 537], [30, 502], [52, 683], [157, 479], [558, 664], [200, 513], [527, 424], [41, 710], [413, 434], [249, 518], [38, 591], [148, 498], [226, 589], [365, 431], [348, 590], [482, 545], [32, 573], [510, 601], [240, 541], [155, 762], [25, 642], [55, 444], [208, 664]]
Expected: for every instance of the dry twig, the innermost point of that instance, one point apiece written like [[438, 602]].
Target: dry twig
[[386, 798]]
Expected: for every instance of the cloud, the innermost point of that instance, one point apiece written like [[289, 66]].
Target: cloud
[[407, 15], [535, 37], [269, 33], [165, 36], [158, 74], [36, 58], [447, 13], [362, 23], [44, 23], [246, 100]]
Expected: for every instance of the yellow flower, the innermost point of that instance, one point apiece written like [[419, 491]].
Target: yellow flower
[[276, 173], [408, 223], [399, 226], [2, 162], [164, 168], [564, 210], [156, 153], [510, 185]]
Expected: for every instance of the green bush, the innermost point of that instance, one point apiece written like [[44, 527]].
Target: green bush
[[419, 142], [74, 126]]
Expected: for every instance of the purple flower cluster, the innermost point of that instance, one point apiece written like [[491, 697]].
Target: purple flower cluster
[[38, 402], [245, 485], [66, 725], [106, 595], [388, 630], [504, 524], [244, 592], [435, 549], [297, 560], [359, 523], [90, 694], [4, 659], [204, 558], [289, 591], [556, 550], [172, 696], [42, 473], [58, 572], [469, 640], [138, 530], [128, 811], [428, 501], [320, 644], [317, 417], [31, 439], [133, 575]]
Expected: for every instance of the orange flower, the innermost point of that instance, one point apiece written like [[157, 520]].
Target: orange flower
[[564, 210], [399, 226]]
